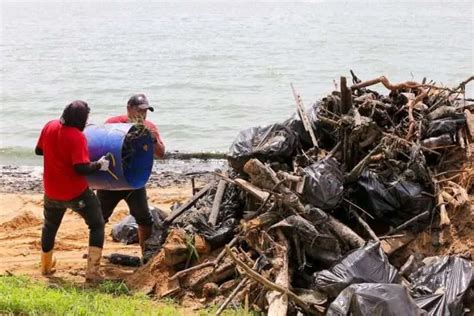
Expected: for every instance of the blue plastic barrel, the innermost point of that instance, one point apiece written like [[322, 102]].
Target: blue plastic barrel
[[133, 159]]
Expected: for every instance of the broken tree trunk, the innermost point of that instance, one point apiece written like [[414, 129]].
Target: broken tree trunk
[[277, 301], [264, 177], [217, 202], [469, 122], [346, 105], [261, 175], [346, 97], [252, 189], [443, 214], [345, 233], [245, 280], [214, 263]]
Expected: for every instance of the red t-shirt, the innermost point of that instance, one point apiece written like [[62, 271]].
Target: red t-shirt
[[63, 147], [159, 148]]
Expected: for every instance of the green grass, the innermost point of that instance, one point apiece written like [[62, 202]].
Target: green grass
[[19, 295], [22, 296]]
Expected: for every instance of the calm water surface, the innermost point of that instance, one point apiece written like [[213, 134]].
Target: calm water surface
[[212, 68]]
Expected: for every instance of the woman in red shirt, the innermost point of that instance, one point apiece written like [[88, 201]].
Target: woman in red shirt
[[66, 162]]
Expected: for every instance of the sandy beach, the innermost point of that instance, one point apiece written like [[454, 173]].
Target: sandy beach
[[21, 208], [21, 218]]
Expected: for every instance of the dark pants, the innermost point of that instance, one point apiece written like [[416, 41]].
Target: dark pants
[[135, 199], [87, 205]]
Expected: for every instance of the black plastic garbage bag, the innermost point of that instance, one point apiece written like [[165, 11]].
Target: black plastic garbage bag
[[222, 235], [158, 236], [443, 126], [324, 133], [232, 205], [392, 200], [124, 260], [155, 242], [368, 264], [324, 184], [440, 286], [273, 142], [216, 237], [126, 231], [294, 123], [158, 215], [374, 299]]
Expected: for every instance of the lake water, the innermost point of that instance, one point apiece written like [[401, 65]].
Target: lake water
[[212, 68]]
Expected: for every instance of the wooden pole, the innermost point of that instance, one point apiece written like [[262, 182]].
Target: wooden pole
[[188, 204], [217, 202], [304, 118]]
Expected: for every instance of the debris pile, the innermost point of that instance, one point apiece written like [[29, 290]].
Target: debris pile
[[310, 210]]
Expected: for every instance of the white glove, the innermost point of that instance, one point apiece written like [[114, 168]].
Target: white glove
[[104, 163]]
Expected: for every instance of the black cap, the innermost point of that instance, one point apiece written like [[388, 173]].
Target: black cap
[[140, 101]]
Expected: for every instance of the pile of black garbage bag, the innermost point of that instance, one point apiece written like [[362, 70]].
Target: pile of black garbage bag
[[365, 283], [369, 159]]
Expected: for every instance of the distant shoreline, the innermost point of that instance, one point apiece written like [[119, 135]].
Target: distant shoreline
[[166, 172], [195, 155], [25, 156]]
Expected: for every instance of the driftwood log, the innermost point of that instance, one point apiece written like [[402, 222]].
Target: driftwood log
[[277, 301], [443, 214], [217, 202]]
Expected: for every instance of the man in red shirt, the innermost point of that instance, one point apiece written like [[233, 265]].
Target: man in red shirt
[[137, 108], [66, 162]]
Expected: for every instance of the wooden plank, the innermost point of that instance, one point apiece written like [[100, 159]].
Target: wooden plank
[[390, 245], [303, 117], [252, 189]]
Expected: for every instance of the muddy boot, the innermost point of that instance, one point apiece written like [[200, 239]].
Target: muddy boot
[[144, 232], [47, 263], [93, 274]]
